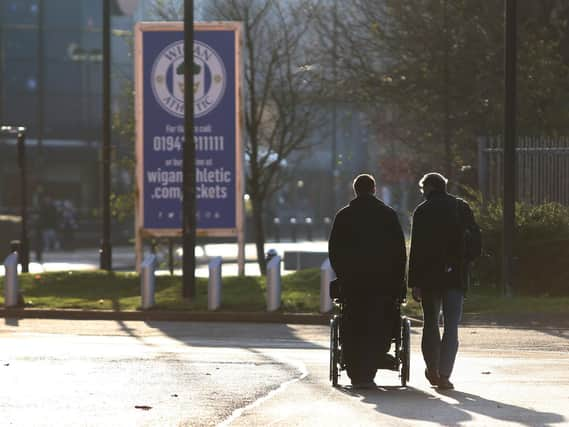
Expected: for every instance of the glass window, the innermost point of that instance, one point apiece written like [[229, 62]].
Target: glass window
[[65, 120], [91, 40], [62, 13], [95, 86], [64, 77], [21, 110], [20, 77], [18, 12], [91, 14], [20, 44], [61, 45]]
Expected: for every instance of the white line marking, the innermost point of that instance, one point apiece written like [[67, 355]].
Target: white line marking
[[296, 364]]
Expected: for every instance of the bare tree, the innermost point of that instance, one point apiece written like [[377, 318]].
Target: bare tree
[[281, 86], [434, 71], [168, 10]]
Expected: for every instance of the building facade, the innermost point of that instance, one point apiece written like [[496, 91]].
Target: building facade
[[51, 82]]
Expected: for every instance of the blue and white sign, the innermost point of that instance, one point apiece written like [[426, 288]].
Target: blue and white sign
[[160, 126]]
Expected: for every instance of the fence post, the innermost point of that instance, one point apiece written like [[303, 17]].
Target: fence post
[[274, 283], [147, 281], [214, 284], [483, 172], [327, 274], [11, 287]]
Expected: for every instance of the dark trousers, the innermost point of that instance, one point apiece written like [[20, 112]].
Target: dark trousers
[[440, 354], [367, 329]]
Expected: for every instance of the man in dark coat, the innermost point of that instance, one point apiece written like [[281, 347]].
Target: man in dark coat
[[367, 252], [438, 273]]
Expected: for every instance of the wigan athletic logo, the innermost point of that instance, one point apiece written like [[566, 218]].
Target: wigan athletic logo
[[168, 79]]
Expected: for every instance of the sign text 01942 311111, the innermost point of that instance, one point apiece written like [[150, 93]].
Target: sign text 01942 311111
[[202, 142]]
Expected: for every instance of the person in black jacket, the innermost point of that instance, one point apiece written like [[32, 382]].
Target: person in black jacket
[[438, 273], [367, 252]]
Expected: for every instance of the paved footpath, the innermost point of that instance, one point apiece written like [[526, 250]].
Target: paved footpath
[[504, 377], [100, 373]]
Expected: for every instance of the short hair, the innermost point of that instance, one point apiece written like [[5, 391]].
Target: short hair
[[435, 180], [364, 184]]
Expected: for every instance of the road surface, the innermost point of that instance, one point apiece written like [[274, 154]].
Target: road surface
[[101, 373]]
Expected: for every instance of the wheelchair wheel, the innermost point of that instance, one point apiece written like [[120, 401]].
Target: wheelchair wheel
[[334, 350], [405, 350]]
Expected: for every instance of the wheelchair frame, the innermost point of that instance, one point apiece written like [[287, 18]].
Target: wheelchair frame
[[401, 341]]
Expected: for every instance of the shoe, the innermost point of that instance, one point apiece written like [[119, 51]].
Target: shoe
[[433, 377], [445, 384]]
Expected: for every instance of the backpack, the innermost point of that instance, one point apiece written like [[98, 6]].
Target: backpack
[[471, 237]]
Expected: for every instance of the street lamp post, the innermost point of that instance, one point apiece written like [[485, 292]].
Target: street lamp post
[[334, 148], [509, 212], [25, 247], [40, 89], [189, 160], [105, 250], [446, 101], [20, 133]]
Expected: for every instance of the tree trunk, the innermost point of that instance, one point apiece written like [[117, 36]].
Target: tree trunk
[[259, 234]]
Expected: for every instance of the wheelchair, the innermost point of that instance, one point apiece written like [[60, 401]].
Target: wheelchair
[[400, 342]]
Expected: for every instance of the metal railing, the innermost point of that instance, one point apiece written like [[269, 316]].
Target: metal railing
[[542, 165]]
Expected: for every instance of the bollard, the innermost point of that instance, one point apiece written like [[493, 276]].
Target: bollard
[[308, 223], [11, 288], [274, 283], [271, 253], [293, 229], [327, 274], [214, 284], [147, 281], [276, 224]]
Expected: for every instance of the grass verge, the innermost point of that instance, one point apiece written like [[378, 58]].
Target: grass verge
[[100, 290]]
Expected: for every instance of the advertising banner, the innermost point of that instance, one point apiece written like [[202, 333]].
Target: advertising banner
[[159, 91]]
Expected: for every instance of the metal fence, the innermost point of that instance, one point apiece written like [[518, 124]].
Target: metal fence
[[542, 169]]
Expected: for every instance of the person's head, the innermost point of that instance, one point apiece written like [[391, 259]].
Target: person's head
[[433, 181], [364, 184]]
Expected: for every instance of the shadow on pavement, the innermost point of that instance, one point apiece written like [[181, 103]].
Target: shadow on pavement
[[242, 335], [554, 323], [124, 327], [556, 332], [11, 321], [409, 403]]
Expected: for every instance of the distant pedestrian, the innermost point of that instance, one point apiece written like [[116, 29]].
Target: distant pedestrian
[[68, 224], [37, 237], [48, 222], [438, 272], [367, 252]]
